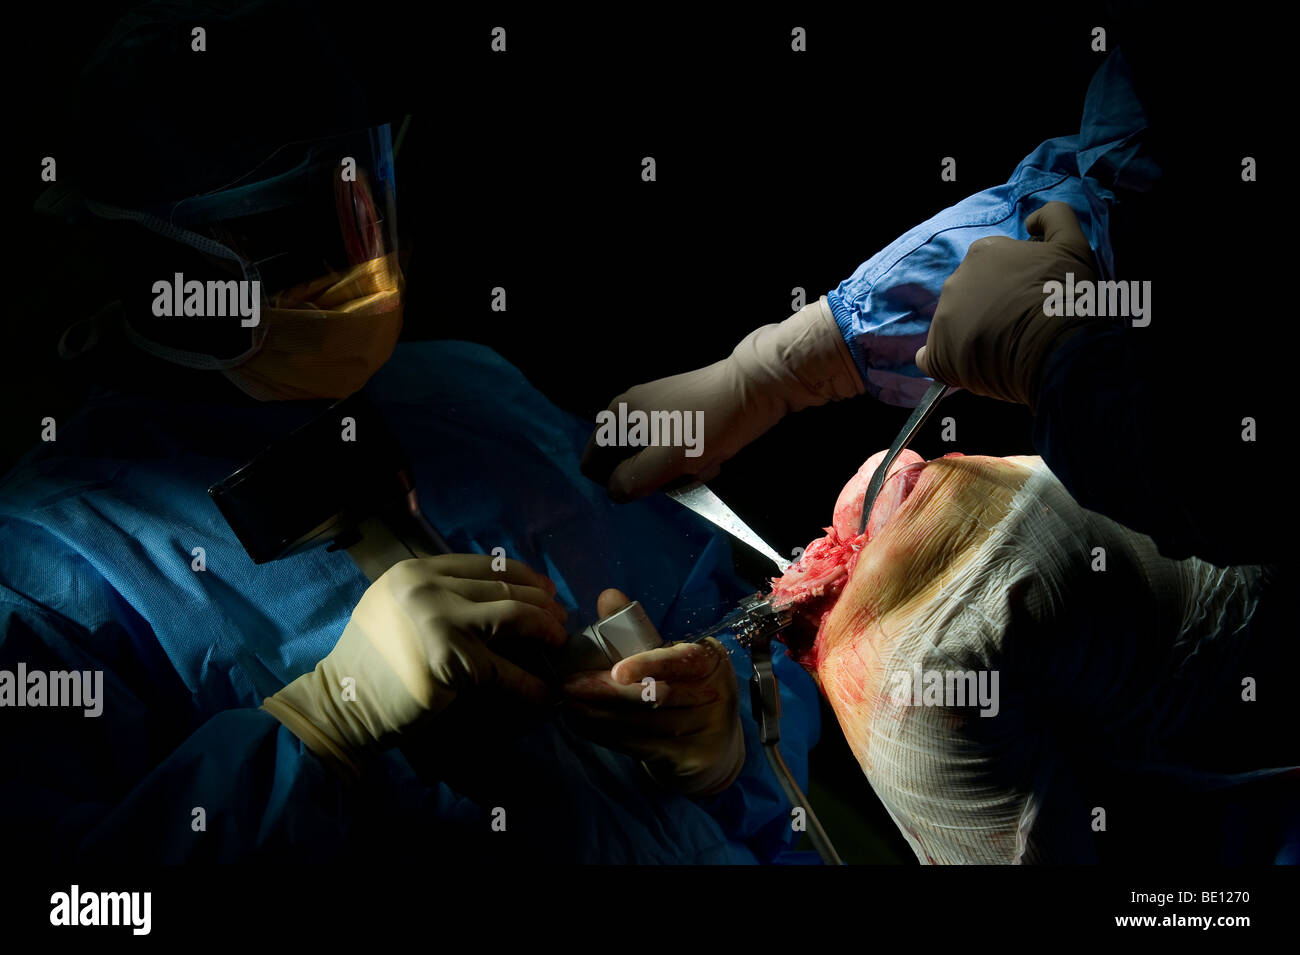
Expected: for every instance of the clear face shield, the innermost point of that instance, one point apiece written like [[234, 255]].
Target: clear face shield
[[301, 257]]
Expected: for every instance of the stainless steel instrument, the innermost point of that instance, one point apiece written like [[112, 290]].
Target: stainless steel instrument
[[708, 505], [933, 395]]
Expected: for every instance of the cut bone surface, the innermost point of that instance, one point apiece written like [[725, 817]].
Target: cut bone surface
[[814, 582]]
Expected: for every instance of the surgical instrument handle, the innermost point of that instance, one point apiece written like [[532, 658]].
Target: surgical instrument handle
[[765, 698]]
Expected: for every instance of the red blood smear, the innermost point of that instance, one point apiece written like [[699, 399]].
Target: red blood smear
[[815, 582]]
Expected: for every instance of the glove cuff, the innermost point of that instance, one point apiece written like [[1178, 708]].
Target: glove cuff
[[803, 361], [291, 707]]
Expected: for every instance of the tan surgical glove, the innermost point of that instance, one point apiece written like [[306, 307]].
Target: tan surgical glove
[[688, 736], [990, 334], [796, 364], [420, 635]]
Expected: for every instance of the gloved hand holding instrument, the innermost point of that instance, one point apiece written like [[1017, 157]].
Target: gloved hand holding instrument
[[675, 708], [421, 635], [434, 626], [990, 333], [756, 620], [697, 746], [430, 629]]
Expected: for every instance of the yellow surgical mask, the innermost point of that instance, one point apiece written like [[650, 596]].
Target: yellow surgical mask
[[319, 339], [325, 338]]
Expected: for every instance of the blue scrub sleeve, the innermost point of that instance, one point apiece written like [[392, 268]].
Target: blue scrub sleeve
[[885, 307]]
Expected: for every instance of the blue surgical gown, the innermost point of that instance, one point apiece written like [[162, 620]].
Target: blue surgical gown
[[98, 571]]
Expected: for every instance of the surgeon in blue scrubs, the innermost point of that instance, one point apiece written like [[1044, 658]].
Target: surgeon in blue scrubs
[[292, 710]]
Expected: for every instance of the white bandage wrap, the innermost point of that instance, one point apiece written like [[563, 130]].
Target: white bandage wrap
[[1112, 660]]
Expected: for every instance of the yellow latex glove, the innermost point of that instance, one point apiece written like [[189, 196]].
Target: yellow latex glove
[[420, 636], [688, 736]]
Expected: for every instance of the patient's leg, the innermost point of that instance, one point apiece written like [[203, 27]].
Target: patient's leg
[[984, 666]]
